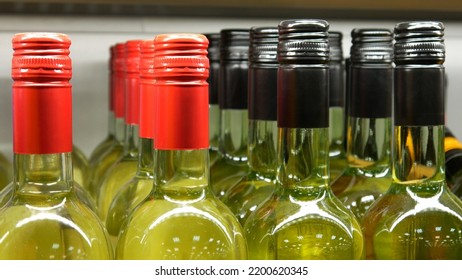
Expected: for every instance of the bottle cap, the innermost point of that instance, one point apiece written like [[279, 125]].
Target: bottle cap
[[336, 70], [42, 98], [371, 73], [41, 54], [335, 45], [303, 74], [147, 59], [119, 83], [214, 72], [111, 78], [371, 46], [263, 45], [421, 41], [214, 46], [132, 82], [147, 90], [304, 41], [263, 68], [181, 68], [132, 56], [119, 60], [234, 66], [181, 55], [234, 44]]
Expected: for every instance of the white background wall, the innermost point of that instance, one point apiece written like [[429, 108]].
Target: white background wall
[[92, 36]]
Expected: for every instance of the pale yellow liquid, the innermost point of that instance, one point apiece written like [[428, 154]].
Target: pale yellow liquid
[[165, 229], [232, 165], [101, 149], [6, 172], [244, 197], [101, 167], [55, 227], [117, 176], [226, 173], [337, 158], [361, 192], [128, 197], [81, 167], [401, 226], [303, 220], [285, 228]]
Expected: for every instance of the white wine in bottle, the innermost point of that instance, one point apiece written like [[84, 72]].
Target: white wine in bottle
[[181, 219], [124, 169], [43, 217]]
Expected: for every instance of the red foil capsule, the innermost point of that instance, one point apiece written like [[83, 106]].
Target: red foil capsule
[[147, 89], [42, 101], [119, 80], [132, 82], [111, 78], [181, 68]]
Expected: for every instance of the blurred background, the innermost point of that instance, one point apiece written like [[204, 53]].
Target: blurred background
[[95, 25]]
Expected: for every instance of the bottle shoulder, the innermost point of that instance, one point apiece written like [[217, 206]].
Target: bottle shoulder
[[61, 227], [194, 228]]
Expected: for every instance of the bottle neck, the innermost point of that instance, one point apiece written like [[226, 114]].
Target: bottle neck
[[43, 173], [262, 147], [182, 174], [303, 161], [336, 131], [233, 134], [111, 124], [418, 155], [146, 157], [214, 126], [131, 140], [120, 130], [369, 144]]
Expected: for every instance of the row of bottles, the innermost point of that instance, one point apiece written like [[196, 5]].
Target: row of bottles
[[253, 164]]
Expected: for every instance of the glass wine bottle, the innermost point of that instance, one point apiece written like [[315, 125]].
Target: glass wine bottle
[[6, 171], [214, 108], [232, 97], [250, 191], [337, 157], [110, 139], [98, 168], [124, 169], [181, 219], [453, 163], [368, 174], [138, 188], [303, 219], [44, 218], [81, 167], [418, 217]]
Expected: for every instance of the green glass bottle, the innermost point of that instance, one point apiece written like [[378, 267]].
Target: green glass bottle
[[110, 139], [139, 187], [81, 166], [250, 191], [303, 219], [124, 168], [232, 96], [214, 109], [368, 174], [44, 218], [181, 219], [453, 163], [337, 158], [6, 171], [418, 217], [99, 167]]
